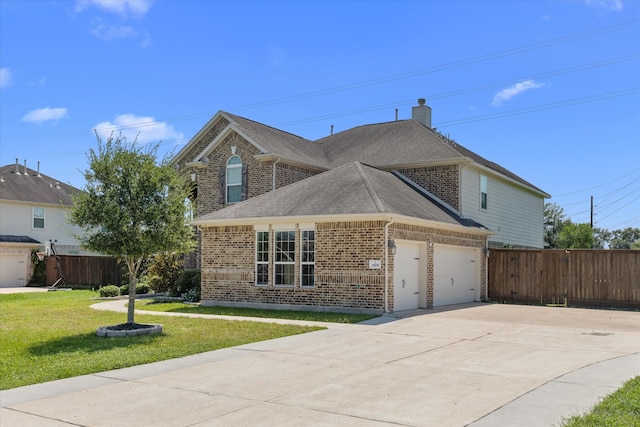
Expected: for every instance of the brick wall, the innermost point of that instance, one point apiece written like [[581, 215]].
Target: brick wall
[[343, 278], [442, 181]]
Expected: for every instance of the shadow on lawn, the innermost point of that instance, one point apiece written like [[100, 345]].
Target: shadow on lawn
[[89, 342]]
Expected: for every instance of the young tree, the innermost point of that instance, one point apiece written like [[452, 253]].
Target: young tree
[[132, 207], [576, 236]]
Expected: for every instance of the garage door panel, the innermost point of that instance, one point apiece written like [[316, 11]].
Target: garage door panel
[[13, 270], [455, 275]]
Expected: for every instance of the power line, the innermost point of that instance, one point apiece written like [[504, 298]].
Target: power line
[[598, 186]]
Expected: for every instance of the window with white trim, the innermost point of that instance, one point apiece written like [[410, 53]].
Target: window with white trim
[[234, 179], [284, 259], [38, 217], [483, 192], [262, 258], [307, 258]]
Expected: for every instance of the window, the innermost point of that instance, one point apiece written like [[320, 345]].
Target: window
[[38, 217], [307, 258], [234, 179], [262, 258], [483, 192], [285, 257]]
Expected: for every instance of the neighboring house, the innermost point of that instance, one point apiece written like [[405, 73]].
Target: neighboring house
[[33, 211], [351, 197]]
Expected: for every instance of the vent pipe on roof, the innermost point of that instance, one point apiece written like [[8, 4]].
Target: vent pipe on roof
[[331, 129], [25, 168], [39, 176], [396, 114], [17, 167], [57, 184], [422, 113], [1, 178]]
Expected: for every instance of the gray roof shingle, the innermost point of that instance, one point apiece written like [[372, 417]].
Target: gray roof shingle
[[33, 188], [351, 189]]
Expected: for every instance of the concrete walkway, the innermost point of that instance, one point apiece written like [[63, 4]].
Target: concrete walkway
[[478, 365]]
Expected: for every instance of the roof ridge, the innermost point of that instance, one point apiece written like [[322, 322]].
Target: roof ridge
[[265, 125], [369, 186]]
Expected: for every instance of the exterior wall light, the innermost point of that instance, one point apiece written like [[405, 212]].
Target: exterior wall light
[[392, 245]]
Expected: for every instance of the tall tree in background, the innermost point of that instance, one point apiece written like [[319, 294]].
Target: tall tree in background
[[554, 221], [132, 206], [627, 238]]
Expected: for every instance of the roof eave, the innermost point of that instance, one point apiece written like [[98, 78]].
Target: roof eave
[[265, 157], [345, 218]]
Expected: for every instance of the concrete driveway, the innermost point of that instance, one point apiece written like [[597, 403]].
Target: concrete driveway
[[480, 365]]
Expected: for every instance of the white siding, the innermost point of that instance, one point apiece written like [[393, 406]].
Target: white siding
[[17, 219], [516, 215]]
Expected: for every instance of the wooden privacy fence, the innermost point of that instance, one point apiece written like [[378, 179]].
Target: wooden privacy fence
[[585, 277], [84, 270]]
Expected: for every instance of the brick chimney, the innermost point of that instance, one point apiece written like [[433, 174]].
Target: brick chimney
[[422, 113]]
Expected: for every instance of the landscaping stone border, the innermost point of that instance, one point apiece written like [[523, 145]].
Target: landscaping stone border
[[113, 332]]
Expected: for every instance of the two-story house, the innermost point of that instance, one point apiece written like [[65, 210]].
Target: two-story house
[[33, 210], [382, 217]]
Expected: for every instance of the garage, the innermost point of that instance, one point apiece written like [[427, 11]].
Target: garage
[[456, 275], [13, 270], [409, 287]]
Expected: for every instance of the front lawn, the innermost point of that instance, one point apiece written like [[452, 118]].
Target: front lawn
[[49, 336], [620, 408], [253, 312]]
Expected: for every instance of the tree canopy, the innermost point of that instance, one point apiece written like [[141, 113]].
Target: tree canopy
[[561, 232], [132, 206]]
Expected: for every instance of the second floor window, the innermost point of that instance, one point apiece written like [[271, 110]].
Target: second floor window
[[38, 217], [483, 192], [234, 179]]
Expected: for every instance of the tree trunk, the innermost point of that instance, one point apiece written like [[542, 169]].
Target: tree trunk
[[133, 273]]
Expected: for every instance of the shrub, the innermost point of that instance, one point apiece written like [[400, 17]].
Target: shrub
[[188, 285], [109, 291], [39, 276], [142, 288], [164, 271]]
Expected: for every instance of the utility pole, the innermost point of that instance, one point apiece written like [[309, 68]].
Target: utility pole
[[592, 212]]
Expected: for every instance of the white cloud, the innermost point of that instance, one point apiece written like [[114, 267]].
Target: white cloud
[[44, 114], [5, 77], [614, 5], [111, 32], [124, 8], [508, 93], [145, 129]]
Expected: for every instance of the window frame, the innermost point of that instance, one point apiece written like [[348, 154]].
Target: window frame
[[305, 253], [264, 252], [279, 254], [484, 204], [230, 167], [42, 218]]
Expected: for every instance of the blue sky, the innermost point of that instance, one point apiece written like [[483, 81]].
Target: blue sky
[[547, 89]]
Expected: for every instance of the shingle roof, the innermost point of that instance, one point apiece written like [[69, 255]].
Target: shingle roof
[[33, 188], [385, 144], [5, 238], [284, 144], [351, 189]]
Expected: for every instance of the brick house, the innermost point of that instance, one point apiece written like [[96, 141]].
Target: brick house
[[383, 217]]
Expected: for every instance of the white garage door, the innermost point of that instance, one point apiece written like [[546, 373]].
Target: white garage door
[[13, 270], [456, 274], [406, 276]]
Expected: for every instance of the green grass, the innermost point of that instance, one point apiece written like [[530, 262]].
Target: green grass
[[252, 312], [619, 409], [49, 336]]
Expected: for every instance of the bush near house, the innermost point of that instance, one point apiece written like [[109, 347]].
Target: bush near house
[[109, 291]]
